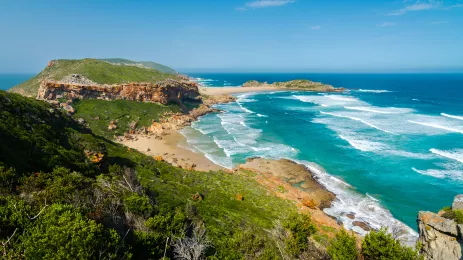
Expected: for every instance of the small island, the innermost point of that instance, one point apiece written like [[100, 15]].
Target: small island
[[300, 84]]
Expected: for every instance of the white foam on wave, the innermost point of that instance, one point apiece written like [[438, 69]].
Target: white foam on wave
[[359, 120], [379, 110], [438, 126], [452, 116], [374, 90], [453, 154], [442, 174], [364, 207], [328, 100], [260, 115], [244, 109], [342, 98], [364, 145]]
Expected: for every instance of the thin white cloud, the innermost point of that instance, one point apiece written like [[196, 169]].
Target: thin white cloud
[[240, 9], [316, 27], [417, 6], [268, 3], [387, 24]]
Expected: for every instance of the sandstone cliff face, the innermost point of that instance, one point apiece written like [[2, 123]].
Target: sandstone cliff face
[[441, 238], [161, 92]]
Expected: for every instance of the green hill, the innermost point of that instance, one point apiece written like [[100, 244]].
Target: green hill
[[95, 199], [149, 64], [99, 71]]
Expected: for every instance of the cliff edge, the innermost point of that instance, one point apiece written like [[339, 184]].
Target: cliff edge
[[441, 237]]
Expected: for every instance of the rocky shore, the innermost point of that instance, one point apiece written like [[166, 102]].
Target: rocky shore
[[292, 181]]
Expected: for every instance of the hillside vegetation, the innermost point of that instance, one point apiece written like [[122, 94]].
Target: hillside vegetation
[[149, 64], [67, 192], [99, 71]]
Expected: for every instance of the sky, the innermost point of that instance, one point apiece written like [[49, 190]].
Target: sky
[[237, 35]]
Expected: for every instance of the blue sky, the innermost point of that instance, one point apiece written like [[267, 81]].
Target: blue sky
[[237, 35]]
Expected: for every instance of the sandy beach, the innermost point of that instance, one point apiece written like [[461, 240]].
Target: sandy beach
[[171, 150], [170, 147]]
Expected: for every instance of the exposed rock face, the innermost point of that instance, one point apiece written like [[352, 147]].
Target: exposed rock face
[[458, 202], [161, 92], [297, 175], [292, 181], [439, 237]]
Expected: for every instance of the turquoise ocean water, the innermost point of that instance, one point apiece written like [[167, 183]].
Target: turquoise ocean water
[[9, 80], [388, 148]]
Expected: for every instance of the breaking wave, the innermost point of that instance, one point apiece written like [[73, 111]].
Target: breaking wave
[[360, 120], [351, 206], [374, 90], [452, 116], [453, 154], [437, 126]]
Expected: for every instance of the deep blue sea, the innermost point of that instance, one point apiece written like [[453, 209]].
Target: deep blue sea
[[9, 80], [388, 148]]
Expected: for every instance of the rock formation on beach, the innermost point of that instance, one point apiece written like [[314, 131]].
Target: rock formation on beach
[[295, 85], [440, 237]]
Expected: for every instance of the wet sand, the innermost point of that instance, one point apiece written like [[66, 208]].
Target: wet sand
[[171, 150]]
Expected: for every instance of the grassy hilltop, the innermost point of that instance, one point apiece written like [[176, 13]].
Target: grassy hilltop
[[109, 71]]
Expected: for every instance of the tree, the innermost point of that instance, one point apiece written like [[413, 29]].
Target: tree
[[380, 245], [343, 247]]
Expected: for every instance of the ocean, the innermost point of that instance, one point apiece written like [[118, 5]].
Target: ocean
[[8, 81], [388, 148]]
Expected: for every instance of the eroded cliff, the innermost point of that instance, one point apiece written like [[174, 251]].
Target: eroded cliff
[[163, 92]]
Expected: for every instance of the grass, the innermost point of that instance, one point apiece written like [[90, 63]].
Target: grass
[[122, 110], [150, 64], [96, 70]]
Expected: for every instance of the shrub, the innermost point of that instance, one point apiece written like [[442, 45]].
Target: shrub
[[138, 204], [300, 228], [380, 245], [63, 233], [456, 215], [7, 180], [343, 247]]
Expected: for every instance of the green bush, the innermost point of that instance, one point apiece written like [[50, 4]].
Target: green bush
[[138, 204], [301, 228], [63, 233], [456, 215], [7, 180], [343, 247], [380, 245]]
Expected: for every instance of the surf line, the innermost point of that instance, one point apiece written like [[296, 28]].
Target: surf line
[[360, 120]]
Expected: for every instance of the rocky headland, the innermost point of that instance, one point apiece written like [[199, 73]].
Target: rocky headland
[[295, 182], [78, 87], [305, 85]]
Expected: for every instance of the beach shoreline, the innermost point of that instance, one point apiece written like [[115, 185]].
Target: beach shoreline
[[170, 147]]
